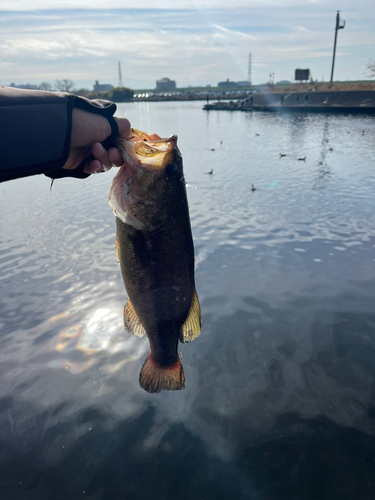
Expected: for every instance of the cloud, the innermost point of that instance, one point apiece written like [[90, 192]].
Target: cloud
[[234, 33], [24, 5], [160, 5], [193, 42], [303, 29]]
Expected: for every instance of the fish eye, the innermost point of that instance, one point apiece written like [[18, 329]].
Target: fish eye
[[171, 170]]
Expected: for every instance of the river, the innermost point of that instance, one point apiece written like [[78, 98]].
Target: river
[[280, 386]]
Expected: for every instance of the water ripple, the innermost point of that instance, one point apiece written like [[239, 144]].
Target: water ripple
[[286, 281]]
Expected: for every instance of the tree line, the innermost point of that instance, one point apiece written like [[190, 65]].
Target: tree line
[[118, 94], [371, 68], [61, 85]]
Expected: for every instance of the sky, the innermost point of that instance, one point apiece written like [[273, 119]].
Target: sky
[[194, 42]]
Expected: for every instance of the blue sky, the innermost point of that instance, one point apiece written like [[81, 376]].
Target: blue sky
[[193, 42]]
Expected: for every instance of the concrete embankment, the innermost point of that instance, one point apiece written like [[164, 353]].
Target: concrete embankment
[[350, 101]]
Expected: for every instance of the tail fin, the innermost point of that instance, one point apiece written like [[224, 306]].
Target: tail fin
[[155, 377]]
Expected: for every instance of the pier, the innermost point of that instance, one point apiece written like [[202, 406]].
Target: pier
[[344, 101]]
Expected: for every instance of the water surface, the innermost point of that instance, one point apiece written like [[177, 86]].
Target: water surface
[[280, 386]]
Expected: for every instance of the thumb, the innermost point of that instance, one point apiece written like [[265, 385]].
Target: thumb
[[123, 127]]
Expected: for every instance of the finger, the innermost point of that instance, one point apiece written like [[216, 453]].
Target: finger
[[123, 127], [95, 167], [101, 154], [115, 157]]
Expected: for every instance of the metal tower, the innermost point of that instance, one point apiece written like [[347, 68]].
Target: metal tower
[[120, 84], [249, 69]]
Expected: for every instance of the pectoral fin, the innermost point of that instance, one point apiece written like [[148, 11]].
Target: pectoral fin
[[131, 321], [191, 329]]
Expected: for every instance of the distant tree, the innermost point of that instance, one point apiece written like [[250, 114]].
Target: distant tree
[[371, 68], [82, 92], [119, 94], [64, 85], [45, 86]]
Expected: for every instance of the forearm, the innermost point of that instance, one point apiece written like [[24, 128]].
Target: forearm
[[35, 130]]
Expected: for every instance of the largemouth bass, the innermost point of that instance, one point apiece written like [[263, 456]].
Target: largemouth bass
[[155, 249]]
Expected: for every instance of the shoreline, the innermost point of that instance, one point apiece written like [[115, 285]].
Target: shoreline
[[341, 101]]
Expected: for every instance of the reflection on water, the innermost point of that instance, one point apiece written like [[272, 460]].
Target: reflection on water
[[280, 386]]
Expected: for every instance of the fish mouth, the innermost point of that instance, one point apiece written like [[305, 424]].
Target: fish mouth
[[138, 135], [141, 152], [146, 150]]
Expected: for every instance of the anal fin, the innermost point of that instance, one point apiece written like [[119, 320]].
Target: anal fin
[[131, 321], [191, 329]]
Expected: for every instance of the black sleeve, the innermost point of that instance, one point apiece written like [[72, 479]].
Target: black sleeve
[[35, 130]]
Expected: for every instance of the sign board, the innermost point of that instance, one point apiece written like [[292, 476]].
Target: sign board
[[302, 74]]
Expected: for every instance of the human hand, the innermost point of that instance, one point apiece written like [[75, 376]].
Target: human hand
[[88, 131]]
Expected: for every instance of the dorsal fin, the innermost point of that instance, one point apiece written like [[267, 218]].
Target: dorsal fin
[[191, 329], [131, 321]]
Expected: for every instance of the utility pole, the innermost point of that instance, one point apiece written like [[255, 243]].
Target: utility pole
[[120, 84], [337, 27], [249, 70]]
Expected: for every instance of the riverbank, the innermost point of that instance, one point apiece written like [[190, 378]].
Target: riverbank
[[191, 96], [309, 100]]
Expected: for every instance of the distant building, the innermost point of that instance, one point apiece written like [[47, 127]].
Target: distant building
[[102, 87], [227, 84], [283, 82], [27, 86], [165, 84], [244, 83]]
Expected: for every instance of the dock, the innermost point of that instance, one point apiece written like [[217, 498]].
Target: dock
[[331, 101]]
